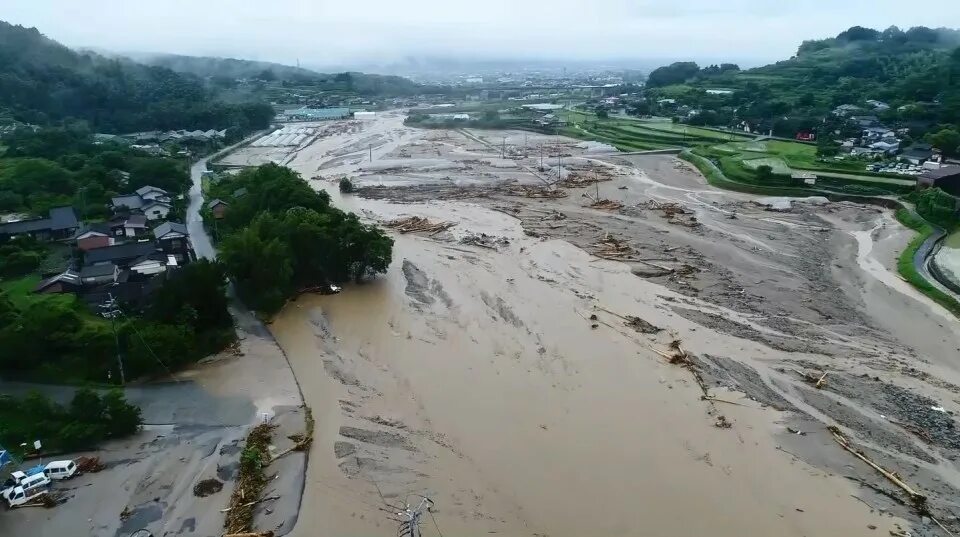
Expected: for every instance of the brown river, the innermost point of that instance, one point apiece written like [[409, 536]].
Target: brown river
[[475, 376]]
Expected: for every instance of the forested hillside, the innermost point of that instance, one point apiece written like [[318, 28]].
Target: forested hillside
[[915, 73], [226, 72], [45, 83]]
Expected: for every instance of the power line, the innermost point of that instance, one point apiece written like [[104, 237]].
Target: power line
[[435, 525]]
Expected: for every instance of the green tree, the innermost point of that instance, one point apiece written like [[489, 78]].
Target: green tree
[[946, 140], [764, 173]]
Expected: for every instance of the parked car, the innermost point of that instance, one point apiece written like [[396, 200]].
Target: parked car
[[60, 470]]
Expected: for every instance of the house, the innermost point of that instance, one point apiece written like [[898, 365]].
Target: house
[[174, 240], [119, 254], [153, 193], [65, 282], [867, 152], [866, 122], [148, 265], [61, 224], [946, 178], [151, 201], [99, 274], [156, 210], [846, 110], [239, 193], [916, 154], [879, 106], [93, 236], [887, 147], [133, 225], [218, 207], [806, 136], [878, 133]]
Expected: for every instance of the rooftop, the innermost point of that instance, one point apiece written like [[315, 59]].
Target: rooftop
[[169, 227], [94, 271], [117, 252], [942, 173]]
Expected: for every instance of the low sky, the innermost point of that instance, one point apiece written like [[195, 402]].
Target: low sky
[[326, 32]]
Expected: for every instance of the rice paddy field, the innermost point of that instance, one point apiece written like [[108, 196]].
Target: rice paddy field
[[737, 154]]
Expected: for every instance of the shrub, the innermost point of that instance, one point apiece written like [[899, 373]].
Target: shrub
[[346, 186]]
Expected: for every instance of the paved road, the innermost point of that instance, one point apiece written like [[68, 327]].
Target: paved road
[[198, 234], [202, 245]]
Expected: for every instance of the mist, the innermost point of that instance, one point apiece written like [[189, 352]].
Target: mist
[[380, 33]]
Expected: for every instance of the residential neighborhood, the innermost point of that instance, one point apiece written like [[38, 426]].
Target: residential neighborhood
[[126, 257]]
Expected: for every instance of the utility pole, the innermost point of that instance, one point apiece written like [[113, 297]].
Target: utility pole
[[112, 311], [410, 527], [559, 163], [503, 147], [371, 152]]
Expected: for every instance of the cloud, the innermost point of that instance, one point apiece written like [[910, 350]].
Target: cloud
[[324, 32]]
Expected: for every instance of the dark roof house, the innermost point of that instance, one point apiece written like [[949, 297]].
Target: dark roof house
[[60, 224], [121, 254], [946, 178], [170, 229]]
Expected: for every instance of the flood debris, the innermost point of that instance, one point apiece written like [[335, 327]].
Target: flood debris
[[206, 487], [49, 499], [485, 241], [606, 205], [535, 192], [916, 499], [417, 224], [301, 441], [89, 465], [250, 481], [610, 247], [639, 325]]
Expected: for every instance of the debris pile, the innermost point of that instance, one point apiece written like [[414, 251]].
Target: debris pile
[[613, 248], [535, 192], [89, 465], [606, 205], [48, 499], [419, 225], [206, 487], [250, 481], [639, 325], [674, 213], [485, 241], [579, 179]]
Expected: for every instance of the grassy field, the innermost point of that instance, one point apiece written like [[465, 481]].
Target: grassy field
[[907, 269], [738, 155], [18, 291]]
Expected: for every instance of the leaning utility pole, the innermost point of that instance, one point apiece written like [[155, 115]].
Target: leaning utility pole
[[410, 526], [111, 311]]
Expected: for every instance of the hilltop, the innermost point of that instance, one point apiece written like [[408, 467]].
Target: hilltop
[[43, 82], [226, 72], [910, 76]]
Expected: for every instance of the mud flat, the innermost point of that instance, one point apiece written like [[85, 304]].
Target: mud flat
[[501, 368], [195, 427]]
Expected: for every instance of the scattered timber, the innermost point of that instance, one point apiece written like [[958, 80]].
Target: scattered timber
[[417, 224]]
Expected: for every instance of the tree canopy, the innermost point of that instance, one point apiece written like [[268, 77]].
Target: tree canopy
[[44, 83], [282, 236]]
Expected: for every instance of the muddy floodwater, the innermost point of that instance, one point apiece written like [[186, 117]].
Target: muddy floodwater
[[516, 367]]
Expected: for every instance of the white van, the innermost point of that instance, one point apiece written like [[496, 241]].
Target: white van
[[58, 470]]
